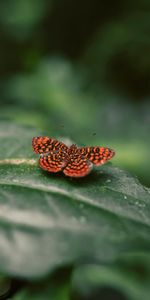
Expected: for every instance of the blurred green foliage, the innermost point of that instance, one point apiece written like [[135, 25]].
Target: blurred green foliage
[[80, 69]]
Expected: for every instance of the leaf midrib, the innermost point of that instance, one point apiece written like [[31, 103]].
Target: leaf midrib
[[81, 198]]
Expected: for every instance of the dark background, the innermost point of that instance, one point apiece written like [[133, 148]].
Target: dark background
[[80, 69]]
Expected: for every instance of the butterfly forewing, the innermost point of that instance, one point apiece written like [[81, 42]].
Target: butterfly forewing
[[44, 144], [97, 155], [41, 144]]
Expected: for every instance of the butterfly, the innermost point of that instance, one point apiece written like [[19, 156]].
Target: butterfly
[[74, 161]]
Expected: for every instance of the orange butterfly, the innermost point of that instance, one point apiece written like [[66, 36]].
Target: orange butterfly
[[55, 156]]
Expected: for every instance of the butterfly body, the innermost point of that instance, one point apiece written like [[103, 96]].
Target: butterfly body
[[55, 156]]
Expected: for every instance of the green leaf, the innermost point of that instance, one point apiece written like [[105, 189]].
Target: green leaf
[[5, 285], [49, 220], [129, 279], [56, 287]]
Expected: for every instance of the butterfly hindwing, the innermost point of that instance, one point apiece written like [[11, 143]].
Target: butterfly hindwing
[[53, 162], [78, 168]]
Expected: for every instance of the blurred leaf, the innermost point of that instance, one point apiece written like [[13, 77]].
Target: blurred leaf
[[119, 54], [24, 17], [52, 89], [5, 285], [129, 279], [49, 220], [56, 287]]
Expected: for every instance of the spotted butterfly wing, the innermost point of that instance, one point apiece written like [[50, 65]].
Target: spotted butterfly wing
[[53, 162], [78, 168], [44, 144], [81, 162], [53, 154], [97, 155]]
